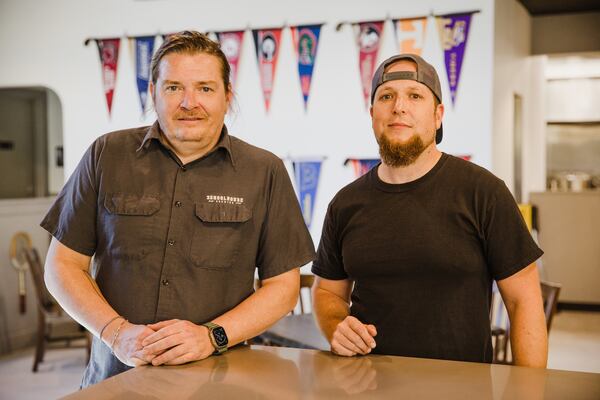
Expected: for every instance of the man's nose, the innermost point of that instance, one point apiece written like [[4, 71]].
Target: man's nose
[[399, 105], [190, 99]]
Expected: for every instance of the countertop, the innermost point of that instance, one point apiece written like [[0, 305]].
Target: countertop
[[261, 372]]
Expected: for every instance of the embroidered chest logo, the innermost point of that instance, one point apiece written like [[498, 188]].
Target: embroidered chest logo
[[214, 198]]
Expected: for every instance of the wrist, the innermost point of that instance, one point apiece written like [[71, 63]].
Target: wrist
[[108, 327]]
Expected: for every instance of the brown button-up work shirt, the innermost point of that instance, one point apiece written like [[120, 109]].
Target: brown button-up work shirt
[[177, 241]]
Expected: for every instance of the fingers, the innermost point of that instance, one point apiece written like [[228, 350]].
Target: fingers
[[162, 324], [352, 337], [170, 356], [163, 329]]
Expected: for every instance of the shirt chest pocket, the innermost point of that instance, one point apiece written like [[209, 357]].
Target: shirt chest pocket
[[129, 224], [218, 234]]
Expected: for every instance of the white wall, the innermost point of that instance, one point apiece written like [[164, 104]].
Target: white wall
[[516, 72], [43, 44]]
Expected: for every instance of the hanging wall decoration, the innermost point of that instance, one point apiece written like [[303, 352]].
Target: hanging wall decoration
[[109, 57], [368, 39], [306, 174], [454, 32], [306, 41], [143, 48], [362, 165], [266, 42], [410, 34], [231, 44]]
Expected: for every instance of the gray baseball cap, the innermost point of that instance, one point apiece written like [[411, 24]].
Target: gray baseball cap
[[426, 74]]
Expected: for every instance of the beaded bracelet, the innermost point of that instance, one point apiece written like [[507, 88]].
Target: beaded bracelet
[[107, 324], [114, 339]]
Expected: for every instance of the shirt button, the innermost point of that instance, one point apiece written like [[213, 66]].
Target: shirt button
[[165, 282], [183, 168], [177, 204], [171, 242]]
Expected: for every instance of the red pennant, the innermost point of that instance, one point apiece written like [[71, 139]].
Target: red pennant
[[109, 56], [231, 44], [266, 42], [368, 39]]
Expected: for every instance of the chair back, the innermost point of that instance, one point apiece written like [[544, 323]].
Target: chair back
[[550, 292], [44, 299], [306, 282]]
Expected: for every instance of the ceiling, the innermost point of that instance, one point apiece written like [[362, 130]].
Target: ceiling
[[546, 7]]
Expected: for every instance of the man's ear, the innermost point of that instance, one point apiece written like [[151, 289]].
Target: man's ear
[[371, 111], [439, 115]]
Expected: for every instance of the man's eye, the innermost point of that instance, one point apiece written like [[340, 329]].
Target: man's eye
[[171, 88], [415, 96], [385, 96], [206, 89]]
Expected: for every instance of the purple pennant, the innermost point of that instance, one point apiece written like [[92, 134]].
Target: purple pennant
[[454, 31]]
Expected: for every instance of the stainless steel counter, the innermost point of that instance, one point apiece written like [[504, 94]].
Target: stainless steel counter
[[259, 372]]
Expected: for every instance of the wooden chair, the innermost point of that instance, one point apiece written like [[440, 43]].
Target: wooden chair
[[550, 293], [51, 317], [306, 282]]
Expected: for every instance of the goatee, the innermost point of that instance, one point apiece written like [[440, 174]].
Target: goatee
[[401, 154]]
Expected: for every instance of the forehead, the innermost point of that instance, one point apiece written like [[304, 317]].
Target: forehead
[[175, 66]]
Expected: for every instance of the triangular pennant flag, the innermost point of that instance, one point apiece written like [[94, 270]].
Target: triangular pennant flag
[[368, 40], [410, 34], [143, 47], [362, 165], [454, 32], [266, 42], [109, 57], [306, 42], [306, 174], [231, 44]]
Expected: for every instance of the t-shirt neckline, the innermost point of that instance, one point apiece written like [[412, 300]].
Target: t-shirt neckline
[[373, 177]]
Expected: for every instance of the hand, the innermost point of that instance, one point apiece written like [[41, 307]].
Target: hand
[[128, 346], [352, 337], [177, 342], [355, 375]]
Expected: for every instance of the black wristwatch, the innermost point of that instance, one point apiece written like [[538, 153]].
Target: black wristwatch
[[218, 337]]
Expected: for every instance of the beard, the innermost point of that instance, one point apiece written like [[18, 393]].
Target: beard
[[401, 154]]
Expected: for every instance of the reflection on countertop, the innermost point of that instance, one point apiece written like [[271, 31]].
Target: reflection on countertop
[[285, 373]]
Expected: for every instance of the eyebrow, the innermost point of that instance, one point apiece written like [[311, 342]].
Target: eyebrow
[[170, 82]]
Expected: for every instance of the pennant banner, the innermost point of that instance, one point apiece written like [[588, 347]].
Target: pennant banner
[[231, 44], [266, 42], [306, 174], [368, 39], [109, 56], [306, 41], [454, 31], [362, 165], [144, 48], [410, 34]]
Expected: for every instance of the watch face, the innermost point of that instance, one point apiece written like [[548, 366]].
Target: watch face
[[220, 336]]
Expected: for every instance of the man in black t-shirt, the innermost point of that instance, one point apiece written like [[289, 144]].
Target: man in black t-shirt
[[410, 250]]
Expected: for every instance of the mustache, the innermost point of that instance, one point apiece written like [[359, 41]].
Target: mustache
[[189, 114]]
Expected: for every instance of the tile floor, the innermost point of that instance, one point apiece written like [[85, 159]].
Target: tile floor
[[574, 345]]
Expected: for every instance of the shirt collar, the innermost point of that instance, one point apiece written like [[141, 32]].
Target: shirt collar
[[154, 132]]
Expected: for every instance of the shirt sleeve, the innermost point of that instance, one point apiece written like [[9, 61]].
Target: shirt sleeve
[[72, 217], [509, 246], [285, 242], [329, 263]]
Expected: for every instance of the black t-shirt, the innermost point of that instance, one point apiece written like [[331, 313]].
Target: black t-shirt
[[423, 256]]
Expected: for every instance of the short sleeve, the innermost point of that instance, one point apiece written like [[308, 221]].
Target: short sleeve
[[509, 246], [329, 263], [72, 217], [285, 242]]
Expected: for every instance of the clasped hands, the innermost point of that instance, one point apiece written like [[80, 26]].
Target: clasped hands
[[171, 342]]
